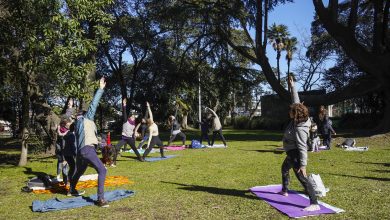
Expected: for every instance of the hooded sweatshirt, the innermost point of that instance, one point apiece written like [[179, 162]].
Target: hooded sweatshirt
[[296, 135]]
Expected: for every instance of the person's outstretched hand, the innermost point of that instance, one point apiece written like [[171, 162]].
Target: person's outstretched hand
[[147, 104], [102, 83]]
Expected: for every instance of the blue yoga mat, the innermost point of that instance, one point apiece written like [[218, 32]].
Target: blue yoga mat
[[154, 159], [76, 202]]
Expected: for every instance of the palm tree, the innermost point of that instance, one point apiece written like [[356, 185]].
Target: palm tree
[[277, 34], [290, 47]]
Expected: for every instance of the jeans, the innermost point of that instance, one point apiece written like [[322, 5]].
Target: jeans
[[87, 155]]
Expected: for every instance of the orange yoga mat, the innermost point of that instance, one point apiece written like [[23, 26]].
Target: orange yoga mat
[[62, 189]]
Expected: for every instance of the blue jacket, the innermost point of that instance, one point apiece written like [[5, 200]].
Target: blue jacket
[[90, 114]]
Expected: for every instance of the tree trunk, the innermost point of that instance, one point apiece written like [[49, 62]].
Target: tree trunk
[[277, 63], [184, 121], [25, 119]]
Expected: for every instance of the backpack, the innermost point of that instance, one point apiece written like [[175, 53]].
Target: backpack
[[195, 144], [318, 186], [41, 181]]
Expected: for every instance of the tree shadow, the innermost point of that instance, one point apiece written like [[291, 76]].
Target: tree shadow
[[29, 171], [265, 151], [362, 177], [214, 190], [9, 159], [381, 171], [374, 163]]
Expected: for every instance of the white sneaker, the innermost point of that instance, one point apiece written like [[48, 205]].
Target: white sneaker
[[312, 208]]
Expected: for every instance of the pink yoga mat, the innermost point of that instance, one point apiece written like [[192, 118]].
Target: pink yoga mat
[[175, 148], [292, 204]]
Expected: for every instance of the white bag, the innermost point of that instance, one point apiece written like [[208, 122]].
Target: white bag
[[319, 187]]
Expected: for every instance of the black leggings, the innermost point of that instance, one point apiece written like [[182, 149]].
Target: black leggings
[[129, 141], [219, 132], [155, 141], [173, 137], [72, 167], [205, 135], [292, 161]]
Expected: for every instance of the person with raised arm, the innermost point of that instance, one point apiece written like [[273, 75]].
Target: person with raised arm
[[175, 131], [128, 135], [217, 127], [144, 127], [86, 142], [154, 138], [295, 144]]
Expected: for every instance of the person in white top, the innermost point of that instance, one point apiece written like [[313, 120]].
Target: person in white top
[[217, 127], [154, 139], [128, 136]]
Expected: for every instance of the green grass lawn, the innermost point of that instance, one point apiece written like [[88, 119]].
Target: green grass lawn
[[214, 183]]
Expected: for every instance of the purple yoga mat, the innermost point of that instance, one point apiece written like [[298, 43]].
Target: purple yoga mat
[[292, 204]]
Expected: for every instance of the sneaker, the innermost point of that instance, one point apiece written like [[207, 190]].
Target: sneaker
[[102, 203], [312, 208], [75, 193], [113, 165]]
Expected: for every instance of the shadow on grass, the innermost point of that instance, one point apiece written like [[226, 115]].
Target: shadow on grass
[[9, 159], [214, 190], [29, 171], [375, 163], [362, 177], [265, 151], [381, 171]]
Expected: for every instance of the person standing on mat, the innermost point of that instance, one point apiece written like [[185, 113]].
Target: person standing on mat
[[217, 127], [144, 127], [86, 142], [128, 136], [204, 129], [295, 144], [154, 139], [175, 131]]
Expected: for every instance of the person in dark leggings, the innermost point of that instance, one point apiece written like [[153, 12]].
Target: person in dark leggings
[[69, 151], [86, 142], [154, 139], [204, 129], [175, 131], [295, 144], [127, 135], [326, 127], [217, 127], [144, 127]]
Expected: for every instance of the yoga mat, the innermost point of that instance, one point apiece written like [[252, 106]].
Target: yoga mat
[[216, 146], [292, 204], [154, 159], [175, 148], [141, 151], [91, 183], [76, 202], [356, 149], [323, 148]]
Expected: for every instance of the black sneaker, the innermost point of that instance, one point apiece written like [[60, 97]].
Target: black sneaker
[[102, 203], [75, 193]]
